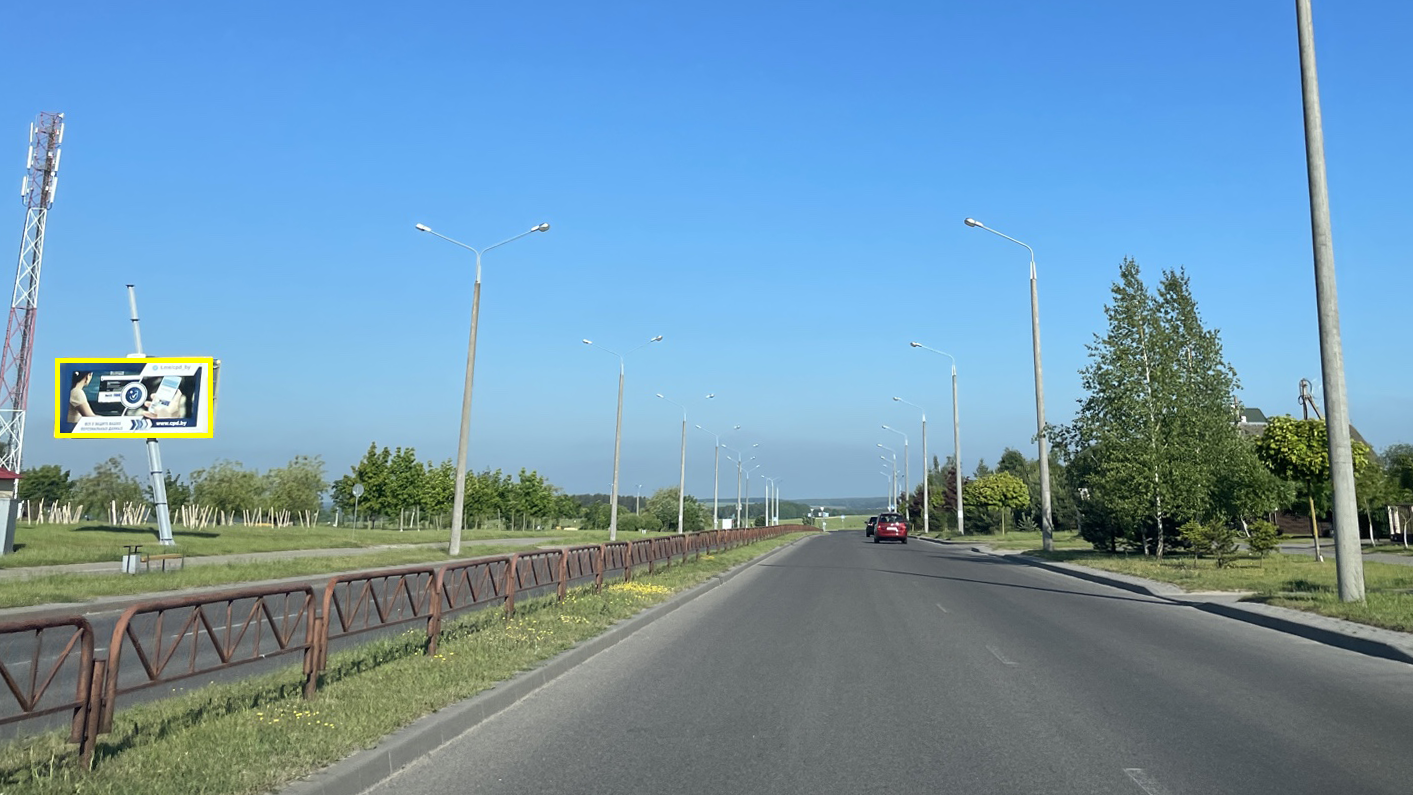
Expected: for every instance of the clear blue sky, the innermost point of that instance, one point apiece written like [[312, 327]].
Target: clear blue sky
[[777, 188]]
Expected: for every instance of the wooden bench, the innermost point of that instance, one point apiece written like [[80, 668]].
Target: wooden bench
[[175, 557]]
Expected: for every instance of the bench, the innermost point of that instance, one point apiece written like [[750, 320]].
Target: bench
[[175, 557]]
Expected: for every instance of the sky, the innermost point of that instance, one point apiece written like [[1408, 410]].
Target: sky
[[776, 188]]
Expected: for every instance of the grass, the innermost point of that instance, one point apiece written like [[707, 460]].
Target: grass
[[65, 588], [1016, 539], [257, 735], [1295, 581], [56, 544]]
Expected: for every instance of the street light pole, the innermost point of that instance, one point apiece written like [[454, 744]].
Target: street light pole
[[1047, 523], [926, 466], [682, 479], [894, 496], [459, 499], [956, 433], [716, 479], [1349, 565], [907, 477], [618, 434]]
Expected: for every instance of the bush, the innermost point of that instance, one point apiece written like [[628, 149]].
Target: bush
[[1214, 539], [1264, 538]]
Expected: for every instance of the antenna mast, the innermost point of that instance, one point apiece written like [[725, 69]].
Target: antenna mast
[[37, 191]]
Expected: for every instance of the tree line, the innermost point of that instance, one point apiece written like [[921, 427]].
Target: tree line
[[1155, 455]]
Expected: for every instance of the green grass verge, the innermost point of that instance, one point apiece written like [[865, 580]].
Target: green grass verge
[[257, 735], [49, 545], [1295, 581], [67, 588], [1016, 540]]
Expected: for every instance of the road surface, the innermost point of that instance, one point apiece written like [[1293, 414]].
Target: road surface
[[842, 666]]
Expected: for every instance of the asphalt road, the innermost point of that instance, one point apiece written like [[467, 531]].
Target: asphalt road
[[843, 666]]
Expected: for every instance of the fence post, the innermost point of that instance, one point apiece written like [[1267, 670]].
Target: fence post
[[314, 655], [512, 577], [563, 572], [434, 621], [600, 563], [92, 713]]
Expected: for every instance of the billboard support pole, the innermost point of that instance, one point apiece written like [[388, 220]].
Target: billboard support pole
[[154, 452]]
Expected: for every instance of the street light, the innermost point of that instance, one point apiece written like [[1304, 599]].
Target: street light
[[1047, 524], [739, 461], [682, 479], [926, 465], [907, 477], [891, 504], [459, 500], [746, 517], [716, 478], [769, 488], [618, 433], [956, 432]]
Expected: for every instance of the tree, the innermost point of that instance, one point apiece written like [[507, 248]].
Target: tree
[[999, 490], [178, 493], [663, 505], [227, 486], [1299, 451], [47, 484], [108, 483], [1156, 424], [404, 484], [297, 486]]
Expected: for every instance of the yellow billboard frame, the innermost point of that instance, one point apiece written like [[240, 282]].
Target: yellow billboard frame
[[205, 408]]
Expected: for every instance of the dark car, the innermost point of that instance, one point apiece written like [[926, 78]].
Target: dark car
[[868, 526], [891, 526]]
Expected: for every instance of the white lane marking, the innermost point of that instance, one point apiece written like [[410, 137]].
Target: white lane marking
[[1144, 781], [998, 655], [943, 609]]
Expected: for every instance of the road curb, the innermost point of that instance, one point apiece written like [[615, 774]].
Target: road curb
[[1349, 635], [365, 769]]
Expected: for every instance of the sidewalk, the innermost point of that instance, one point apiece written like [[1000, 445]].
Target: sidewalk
[[1361, 638], [1307, 548]]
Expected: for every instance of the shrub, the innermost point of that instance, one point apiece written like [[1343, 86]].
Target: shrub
[[1215, 539], [1264, 538]]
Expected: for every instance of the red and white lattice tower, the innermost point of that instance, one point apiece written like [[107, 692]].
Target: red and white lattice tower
[[37, 191]]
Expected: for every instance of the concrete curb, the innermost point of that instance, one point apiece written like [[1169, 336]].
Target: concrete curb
[[365, 769], [1337, 632]]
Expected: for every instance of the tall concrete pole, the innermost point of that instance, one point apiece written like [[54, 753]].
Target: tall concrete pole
[[1349, 564]]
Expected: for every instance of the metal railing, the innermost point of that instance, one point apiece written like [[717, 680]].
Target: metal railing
[[181, 637]]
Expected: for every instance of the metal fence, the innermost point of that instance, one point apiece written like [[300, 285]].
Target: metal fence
[[177, 638]]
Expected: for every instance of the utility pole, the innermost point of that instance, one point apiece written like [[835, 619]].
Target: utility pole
[[1349, 565], [154, 452]]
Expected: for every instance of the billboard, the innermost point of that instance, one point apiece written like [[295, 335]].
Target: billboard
[[148, 398]]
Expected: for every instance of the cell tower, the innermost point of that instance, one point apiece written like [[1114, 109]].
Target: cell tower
[[37, 191]]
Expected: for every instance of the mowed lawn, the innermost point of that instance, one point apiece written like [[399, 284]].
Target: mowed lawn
[[53, 544]]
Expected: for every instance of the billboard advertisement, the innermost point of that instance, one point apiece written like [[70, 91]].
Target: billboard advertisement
[[148, 398]]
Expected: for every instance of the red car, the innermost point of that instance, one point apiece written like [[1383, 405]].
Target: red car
[[890, 526]]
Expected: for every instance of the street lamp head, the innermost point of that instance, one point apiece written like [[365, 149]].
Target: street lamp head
[[897, 398], [586, 342], [973, 222], [658, 338], [423, 228], [915, 344], [541, 228], [712, 395], [659, 394]]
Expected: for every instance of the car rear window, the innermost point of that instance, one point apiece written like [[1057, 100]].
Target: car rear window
[[890, 517]]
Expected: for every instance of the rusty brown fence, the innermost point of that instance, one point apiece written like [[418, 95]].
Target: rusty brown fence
[[177, 638], [30, 675]]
